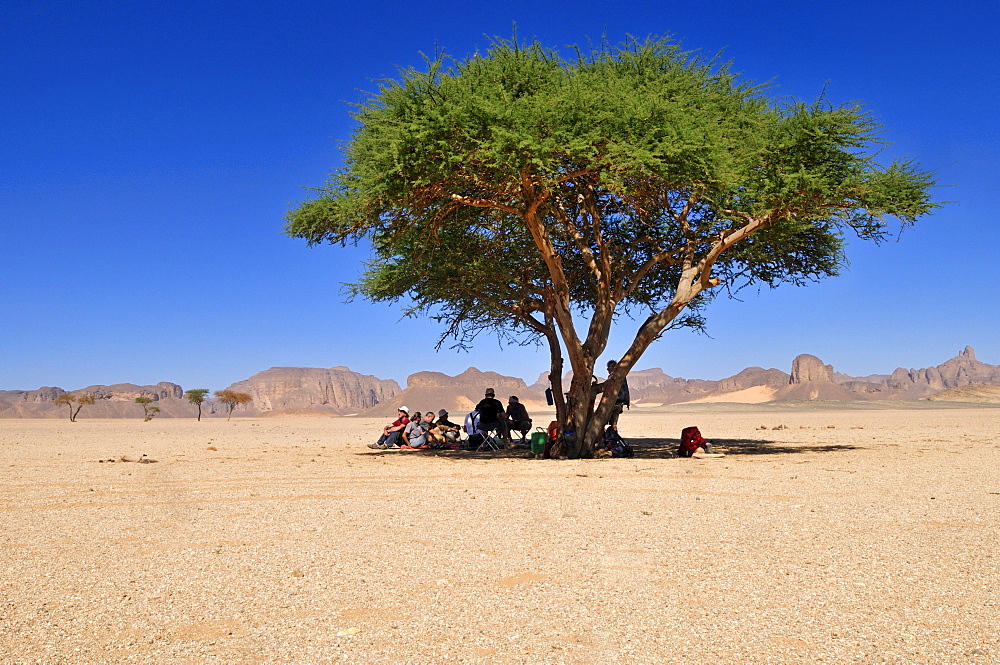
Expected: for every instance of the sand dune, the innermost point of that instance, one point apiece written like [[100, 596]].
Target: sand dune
[[977, 394], [753, 395], [852, 535]]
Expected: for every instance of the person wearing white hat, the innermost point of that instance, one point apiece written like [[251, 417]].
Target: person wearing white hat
[[392, 432]]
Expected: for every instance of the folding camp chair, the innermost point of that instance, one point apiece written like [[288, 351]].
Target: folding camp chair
[[489, 432], [490, 440]]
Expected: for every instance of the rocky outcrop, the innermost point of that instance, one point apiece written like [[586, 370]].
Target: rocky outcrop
[[903, 384], [114, 401], [127, 392], [752, 377], [339, 391], [809, 369], [962, 370], [456, 394], [300, 390]]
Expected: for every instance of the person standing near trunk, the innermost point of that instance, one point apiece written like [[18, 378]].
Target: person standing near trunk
[[623, 399]]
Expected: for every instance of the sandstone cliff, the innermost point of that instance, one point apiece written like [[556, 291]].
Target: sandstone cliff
[[456, 394], [962, 370], [306, 390], [114, 401], [339, 391], [812, 380]]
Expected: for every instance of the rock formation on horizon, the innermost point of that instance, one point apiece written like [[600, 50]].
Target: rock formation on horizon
[[309, 390], [962, 370], [812, 380], [114, 401], [340, 391], [456, 394]]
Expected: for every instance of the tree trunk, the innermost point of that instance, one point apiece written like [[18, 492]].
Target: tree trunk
[[555, 370], [580, 412]]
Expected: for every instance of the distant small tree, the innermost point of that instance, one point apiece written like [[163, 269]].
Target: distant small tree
[[153, 410], [196, 396], [232, 399], [144, 402], [79, 399]]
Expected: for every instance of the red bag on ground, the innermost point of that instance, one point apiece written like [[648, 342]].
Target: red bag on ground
[[553, 432], [691, 440]]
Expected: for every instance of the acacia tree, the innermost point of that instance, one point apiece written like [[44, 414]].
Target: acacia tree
[[144, 401], [232, 399], [636, 181], [196, 396], [69, 399]]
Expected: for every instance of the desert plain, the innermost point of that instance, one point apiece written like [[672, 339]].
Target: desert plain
[[852, 534]]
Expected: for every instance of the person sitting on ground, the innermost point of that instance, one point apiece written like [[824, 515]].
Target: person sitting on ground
[[414, 436], [430, 428], [451, 431], [392, 432], [490, 415], [517, 417]]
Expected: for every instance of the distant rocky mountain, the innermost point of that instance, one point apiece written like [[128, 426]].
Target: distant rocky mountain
[[340, 391], [306, 390], [456, 394], [812, 380], [114, 401]]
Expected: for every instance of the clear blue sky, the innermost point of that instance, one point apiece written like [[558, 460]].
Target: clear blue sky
[[149, 150]]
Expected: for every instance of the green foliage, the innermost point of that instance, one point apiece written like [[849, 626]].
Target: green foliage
[[515, 190], [144, 402], [69, 399], [196, 396]]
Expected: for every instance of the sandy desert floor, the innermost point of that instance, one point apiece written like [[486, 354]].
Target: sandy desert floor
[[857, 535]]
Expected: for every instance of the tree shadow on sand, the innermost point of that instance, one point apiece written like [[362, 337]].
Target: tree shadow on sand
[[667, 448], [650, 448]]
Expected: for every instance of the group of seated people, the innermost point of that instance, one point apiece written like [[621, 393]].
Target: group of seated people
[[421, 431]]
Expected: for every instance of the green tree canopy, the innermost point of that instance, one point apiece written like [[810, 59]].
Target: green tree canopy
[[196, 396], [144, 401], [536, 195], [69, 399]]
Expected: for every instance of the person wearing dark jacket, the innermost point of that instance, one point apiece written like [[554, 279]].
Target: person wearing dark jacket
[[491, 414], [623, 399], [517, 417], [452, 432]]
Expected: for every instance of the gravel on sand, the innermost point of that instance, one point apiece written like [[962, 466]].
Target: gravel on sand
[[846, 536]]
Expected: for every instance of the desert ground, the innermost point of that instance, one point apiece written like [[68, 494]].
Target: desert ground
[[857, 534]]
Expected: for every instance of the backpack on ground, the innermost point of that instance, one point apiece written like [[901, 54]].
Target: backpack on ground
[[616, 445], [691, 440], [553, 440]]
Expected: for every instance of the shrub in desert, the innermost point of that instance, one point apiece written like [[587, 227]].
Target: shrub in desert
[[197, 397], [71, 399], [147, 411], [232, 399]]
